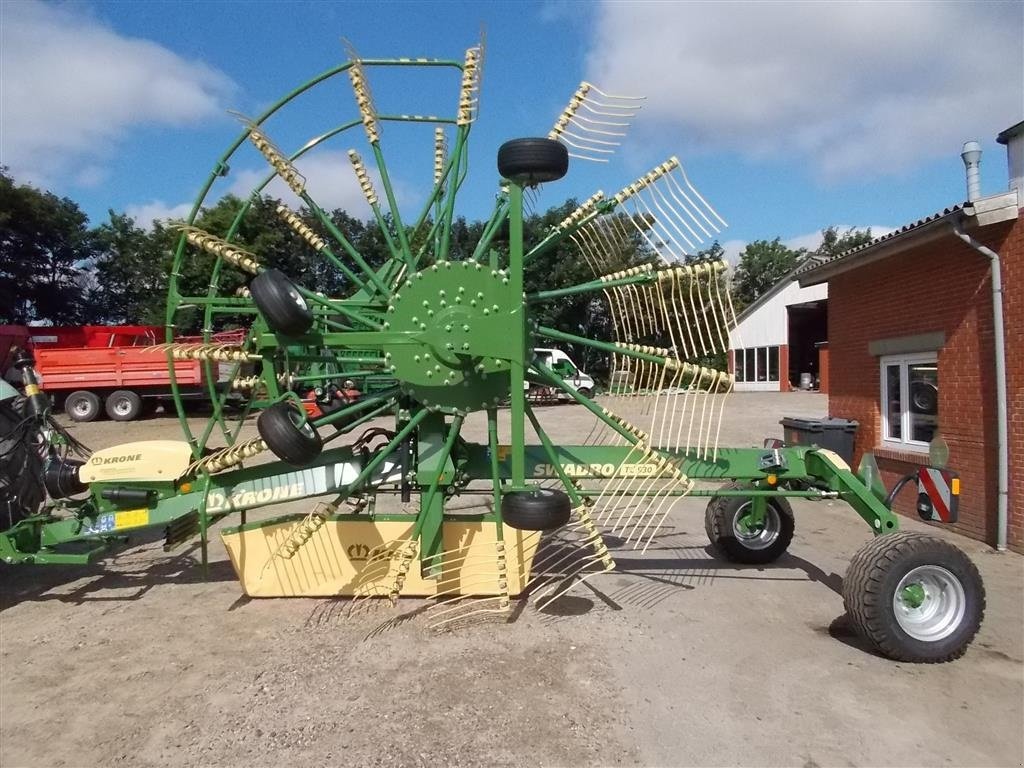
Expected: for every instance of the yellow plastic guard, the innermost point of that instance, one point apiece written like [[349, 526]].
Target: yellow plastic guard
[[347, 558], [156, 460]]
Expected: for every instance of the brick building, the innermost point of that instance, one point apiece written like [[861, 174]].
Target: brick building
[[913, 354]]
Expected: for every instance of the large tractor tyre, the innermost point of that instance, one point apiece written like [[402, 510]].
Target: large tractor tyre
[[533, 161], [288, 436], [123, 405], [914, 597], [280, 303], [542, 509], [82, 405], [743, 542], [21, 465]]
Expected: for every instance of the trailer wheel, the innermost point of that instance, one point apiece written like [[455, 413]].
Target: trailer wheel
[[914, 597], [282, 429], [533, 161], [280, 303], [541, 509], [740, 542], [123, 405], [82, 405]]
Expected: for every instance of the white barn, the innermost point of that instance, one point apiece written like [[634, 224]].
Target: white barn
[[780, 342]]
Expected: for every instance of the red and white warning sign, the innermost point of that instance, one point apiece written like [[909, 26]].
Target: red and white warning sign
[[938, 493]]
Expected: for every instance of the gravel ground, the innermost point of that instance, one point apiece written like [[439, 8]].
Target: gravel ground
[[673, 659]]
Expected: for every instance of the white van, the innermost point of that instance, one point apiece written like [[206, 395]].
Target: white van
[[570, 373]]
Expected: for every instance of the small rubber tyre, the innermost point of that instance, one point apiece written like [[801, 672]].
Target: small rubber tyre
[[123, 405], [736, 542], [280, 303], [541, 509], [914, 597], [586, 392], [81, 405], [533, 161], [282, 429]]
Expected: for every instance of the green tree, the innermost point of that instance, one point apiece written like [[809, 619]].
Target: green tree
[[45, 247], [762, 264], [833, 243], [131, 268]]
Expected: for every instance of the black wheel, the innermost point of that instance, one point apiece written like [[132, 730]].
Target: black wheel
[[282, 430], [533, 161], [542, 509], [82, 406], [123, 405], [743, 542], [914, 597], [21, 471], [586, 391], [280, 303]]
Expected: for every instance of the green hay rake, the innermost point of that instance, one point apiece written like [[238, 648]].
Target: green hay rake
[[453, 334]]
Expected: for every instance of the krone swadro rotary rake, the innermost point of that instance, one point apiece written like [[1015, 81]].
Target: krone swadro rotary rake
[[440, 330]]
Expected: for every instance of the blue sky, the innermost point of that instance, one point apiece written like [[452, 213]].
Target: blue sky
[[788, 117]]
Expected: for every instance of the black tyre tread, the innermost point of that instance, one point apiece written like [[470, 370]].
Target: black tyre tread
[[122, 393], [284, 439], [718, 527], [533, 160], [864, 602], [539, 510], [269, 291]]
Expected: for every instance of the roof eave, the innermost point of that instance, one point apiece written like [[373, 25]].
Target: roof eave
[[981, 213]]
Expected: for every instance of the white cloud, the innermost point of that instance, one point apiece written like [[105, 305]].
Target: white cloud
[[71, 88], [848, 88], [330, 181], [145, 214]]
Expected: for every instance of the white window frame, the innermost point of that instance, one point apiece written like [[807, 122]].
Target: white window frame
[[750, 375], [904, 362]]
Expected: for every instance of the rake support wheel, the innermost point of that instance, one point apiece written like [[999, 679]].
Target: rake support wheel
[[914, 597], [740, 542], [533, 161], [280, 303], [542, 509], [294, 441]]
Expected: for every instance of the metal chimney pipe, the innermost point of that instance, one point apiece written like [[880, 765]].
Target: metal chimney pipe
[[971, 156]]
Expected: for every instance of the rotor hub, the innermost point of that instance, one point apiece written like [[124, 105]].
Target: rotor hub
[[458, 322]]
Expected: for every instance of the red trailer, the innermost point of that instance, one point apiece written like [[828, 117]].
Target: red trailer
[[92, 369]]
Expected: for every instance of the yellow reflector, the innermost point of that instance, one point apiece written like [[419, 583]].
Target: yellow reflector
[[186, 487], [772, 479], [954, 487]]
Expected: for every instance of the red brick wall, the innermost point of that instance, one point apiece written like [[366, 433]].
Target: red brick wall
[[823, 368], [941, 286]]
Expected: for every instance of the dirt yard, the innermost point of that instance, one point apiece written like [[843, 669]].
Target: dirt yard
[[673, 659]]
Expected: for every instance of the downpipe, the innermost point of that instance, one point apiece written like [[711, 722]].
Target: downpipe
[[1002, 439]]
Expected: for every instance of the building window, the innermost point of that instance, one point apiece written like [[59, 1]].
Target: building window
[[910, 399], [757, 364]]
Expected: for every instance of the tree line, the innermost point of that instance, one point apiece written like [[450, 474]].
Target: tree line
[[57, 269]]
